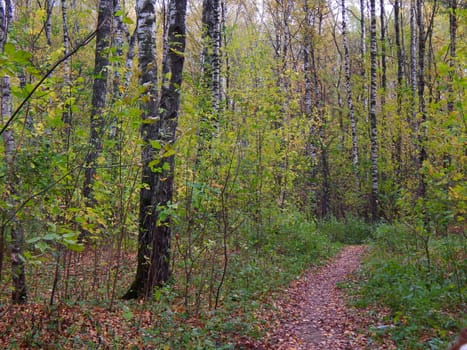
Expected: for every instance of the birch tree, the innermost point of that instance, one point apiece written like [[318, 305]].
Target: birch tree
[[66, 115], [372, 114], [363, 50], [422, 155], [14, 225], [211, 50], [49, 5], [397, 149], [158, 132], [99, 95], [452, 50], [348, 88]]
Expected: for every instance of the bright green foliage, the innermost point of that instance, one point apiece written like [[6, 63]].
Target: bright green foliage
[[423, 298], [248, 189], [351, 230]]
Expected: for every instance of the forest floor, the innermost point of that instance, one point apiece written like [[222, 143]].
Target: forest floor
[[313, 312]]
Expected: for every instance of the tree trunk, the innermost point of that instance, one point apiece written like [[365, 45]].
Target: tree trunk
[[99, 95], [66, 115], [397, 149], [49, 5], [211, 24], [383, 55], [363, 52], [413, 65], [452, 51], [159, 128], [348, 88], [308, 100], [19, 293], [372, 115], [115, 129], [422, 156]]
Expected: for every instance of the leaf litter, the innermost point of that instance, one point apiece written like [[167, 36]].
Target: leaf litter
[[312, 313]]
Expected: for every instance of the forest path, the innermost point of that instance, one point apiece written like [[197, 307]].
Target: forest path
[[312, 313]]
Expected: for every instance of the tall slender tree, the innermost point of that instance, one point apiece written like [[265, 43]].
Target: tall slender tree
[[210, 70], [372, 114], [211, 50], [66, 115], [452, 50], [422, 154], [348, 88], [158, 133], [397, 149], [382, 22], [363, 50], [99, 95], [413, 65], [19, 292]]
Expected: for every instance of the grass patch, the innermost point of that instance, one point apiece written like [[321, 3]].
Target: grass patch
[[423, 286]]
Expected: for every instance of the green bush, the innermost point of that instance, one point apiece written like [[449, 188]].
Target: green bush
[[351, 230], [425, 300], [395, 238]]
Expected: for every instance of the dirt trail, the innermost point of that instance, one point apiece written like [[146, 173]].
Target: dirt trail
[[313, 313]]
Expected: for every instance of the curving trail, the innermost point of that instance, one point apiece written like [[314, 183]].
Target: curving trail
[[312, 313]]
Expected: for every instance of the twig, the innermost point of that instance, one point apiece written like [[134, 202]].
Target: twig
[[85, 42]]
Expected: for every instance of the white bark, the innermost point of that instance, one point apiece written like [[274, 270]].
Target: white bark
[[66, 115], [49, 5], [372, 114], [413, 63], [211, 63], [348, 88], [19, 292]]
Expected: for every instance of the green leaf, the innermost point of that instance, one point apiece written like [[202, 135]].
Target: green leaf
[[155, 144], [127, 20], [42, 246], [127, 314], [34, 240], [168, 153], [73, 245], [51, 237], [71, 235]]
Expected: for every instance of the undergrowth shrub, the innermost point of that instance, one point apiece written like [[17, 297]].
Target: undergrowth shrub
[[351, 230], [290, 244], [426, 301], [261, 259]]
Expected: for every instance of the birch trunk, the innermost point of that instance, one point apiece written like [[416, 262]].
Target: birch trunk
[[19, 292], [99, 95], [49, 5], [452, 51], [66, 114], [167, 125], [372, 115], [383, 54], [348, 88], [397, 149], [363, 52], [413, 65], [422, 156], [159, 127], [118, 31], [211, 65], [146, 39], [306, 63]]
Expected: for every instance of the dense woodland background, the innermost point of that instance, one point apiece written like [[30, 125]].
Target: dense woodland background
[[302, 125]]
